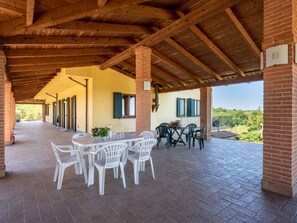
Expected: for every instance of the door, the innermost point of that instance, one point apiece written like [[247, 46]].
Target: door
[[67, 114], [63, 113], [54, 113], [73, 112]]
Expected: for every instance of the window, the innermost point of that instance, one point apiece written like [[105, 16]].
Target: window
[[124, 105], [193, 107], [46, 109], [181, 107]]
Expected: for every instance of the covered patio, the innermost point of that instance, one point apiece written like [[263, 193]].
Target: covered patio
[[221, 183]]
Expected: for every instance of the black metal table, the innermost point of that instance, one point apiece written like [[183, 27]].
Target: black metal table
[[179, 139]]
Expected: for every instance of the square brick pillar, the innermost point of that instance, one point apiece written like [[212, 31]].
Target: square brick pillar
[[205, 110], [8, 101], [2, 111], [280, 100], [143, 97]]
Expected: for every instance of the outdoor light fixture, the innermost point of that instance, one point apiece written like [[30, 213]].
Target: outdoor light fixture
[[146, 85]]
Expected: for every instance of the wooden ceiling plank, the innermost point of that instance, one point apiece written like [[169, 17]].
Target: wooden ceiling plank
[[237, 80], [158, 70], [214, 48], [32, 76], [204, 11], [123, 72], [192, 58], [65, 41], [30, 53], [101, 3], [33, 73], [30, 12], [77, 10], [50, 66], [11, 10], [243, 32], [102, 28], [175, 65], [15, 62]]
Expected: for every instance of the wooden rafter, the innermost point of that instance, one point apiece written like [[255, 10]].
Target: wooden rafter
[[102, 28], [175, 65], [11, 10], [214, 48], [202, 12], [30, 12], [16, 62], [217, 83], [123, 71], [63, 14], [192, 58], [101, 3], [73, 41], [33, 73], [243, 32], [29, 53], [158, 70]]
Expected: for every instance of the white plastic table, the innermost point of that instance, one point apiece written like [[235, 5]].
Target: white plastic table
[[95, 144]]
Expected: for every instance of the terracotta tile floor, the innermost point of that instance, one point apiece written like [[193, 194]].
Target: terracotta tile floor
[[218, 184]]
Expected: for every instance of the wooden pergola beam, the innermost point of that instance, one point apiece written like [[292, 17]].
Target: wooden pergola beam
[[50, 66], [158, 70], [101, 3], [77, 10], [11, 10], [33, 73], [102, 28], [192, 58], [30, 12], [16, 62], [32, 76], [175, 65], [214, 48], [217, 83], [204, 11], [30, 53], [64, 41], [243, 32]]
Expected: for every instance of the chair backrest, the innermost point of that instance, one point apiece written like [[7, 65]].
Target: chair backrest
[[147, 135], [113, 153], [191, 127], [145, 147], [55, 149], [80, 135], [163, 130]]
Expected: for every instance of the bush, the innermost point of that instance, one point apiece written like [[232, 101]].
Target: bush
[[252, 136]]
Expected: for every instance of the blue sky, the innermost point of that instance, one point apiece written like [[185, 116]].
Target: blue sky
[[247, 96]]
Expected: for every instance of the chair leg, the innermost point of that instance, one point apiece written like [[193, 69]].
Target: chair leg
[[76, 168], [85, 170], [60, 178], [116, 172], [142, 166], [56, 172], [202, 140], [123, 175], [101, 171], [136, 172], [152, 167], [200, 144]]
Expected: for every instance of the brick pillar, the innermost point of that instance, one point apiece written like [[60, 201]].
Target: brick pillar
[[2, 86], [143, 97], [205, 110], [280, 100], [8, 113], [43, 113]]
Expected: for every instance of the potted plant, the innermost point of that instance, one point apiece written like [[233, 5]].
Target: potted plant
[[100, 132]]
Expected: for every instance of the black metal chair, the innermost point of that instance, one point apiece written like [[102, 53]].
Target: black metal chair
[[188, 132], [163, 132], [199, 135]]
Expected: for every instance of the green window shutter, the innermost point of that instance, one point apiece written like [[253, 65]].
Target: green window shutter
[[189, 107], [193, 101], [117, 105], [178, 107]]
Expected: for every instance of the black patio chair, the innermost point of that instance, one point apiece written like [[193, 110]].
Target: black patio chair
[[163, 132], [199, 135], [188, 132]]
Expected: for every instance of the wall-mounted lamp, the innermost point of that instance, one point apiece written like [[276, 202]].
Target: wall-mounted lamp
[[146, 85], [277, 55]]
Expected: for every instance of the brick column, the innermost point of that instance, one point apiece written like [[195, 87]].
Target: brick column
[[143, 97], [280, 100], [43, 113], [205, 111], [2, 86], [8, 112]]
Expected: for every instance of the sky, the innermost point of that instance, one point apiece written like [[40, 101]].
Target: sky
[[246, 96]]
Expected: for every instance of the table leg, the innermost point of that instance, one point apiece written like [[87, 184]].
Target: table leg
[[91, 169]]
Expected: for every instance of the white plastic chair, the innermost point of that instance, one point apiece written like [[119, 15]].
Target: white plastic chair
[[83, 151], [147, 135], [64, 162], [112, 160], [142, 153]]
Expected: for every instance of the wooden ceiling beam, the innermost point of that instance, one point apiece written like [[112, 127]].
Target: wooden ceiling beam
[[206, 10], [15, 62], [31, 53], [101, 3], [237, 80], [158, 70], [192, 58], [123, 71], [30, 12], [64, 41], [175, 65], [214, 48], [32, 77], [243, 32], [102, 28], [33, 73], [50, 66], [11, 10], [37, 80], [70, 12]]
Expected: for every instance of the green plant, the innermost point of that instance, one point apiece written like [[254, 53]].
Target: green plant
[[101, 131]]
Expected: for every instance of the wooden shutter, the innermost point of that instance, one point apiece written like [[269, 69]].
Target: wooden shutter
[[178, 107], [189, 107], [117, 105]]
